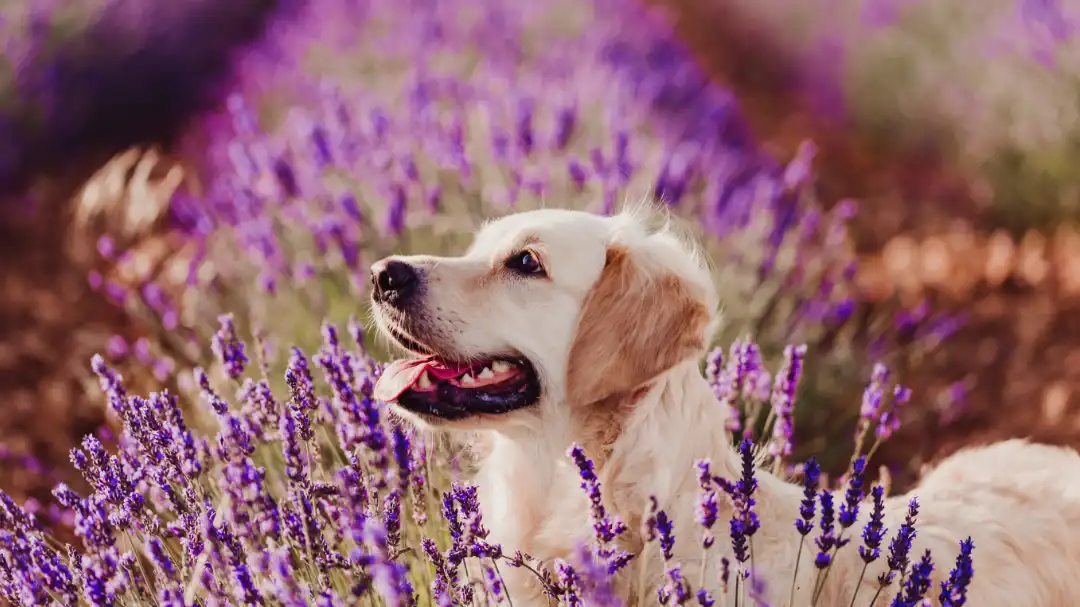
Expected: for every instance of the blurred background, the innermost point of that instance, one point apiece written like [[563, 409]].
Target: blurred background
[[148, 147]]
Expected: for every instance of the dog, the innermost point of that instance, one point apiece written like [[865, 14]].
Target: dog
[[562, 327]]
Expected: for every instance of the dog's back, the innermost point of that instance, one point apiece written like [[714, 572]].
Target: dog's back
[[1020, 503]]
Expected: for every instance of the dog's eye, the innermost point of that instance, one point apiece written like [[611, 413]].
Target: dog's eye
[[525, 263]]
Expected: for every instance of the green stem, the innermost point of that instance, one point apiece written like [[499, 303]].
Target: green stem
[[527, 567], [641, 576], [825, 574], [142, 569], [749, 572], [876, 595], [704, 567], [506, 592], [469, 580], [795, 575], [873, 449], [858, 583], [860, 438]]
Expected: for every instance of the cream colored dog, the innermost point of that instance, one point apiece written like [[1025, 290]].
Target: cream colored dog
[[560, 327]]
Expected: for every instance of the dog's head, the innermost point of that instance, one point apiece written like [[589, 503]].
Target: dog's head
[[546, 309]]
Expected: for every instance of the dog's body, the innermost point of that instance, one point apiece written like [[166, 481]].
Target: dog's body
[[594, 327]]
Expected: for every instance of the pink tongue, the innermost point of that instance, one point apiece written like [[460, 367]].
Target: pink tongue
[[401, 375]]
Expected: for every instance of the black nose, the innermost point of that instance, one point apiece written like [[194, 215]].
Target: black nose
[[395, 282]]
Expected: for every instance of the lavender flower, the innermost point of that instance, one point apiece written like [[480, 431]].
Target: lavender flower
[[570, 584], [605, 527], [811, 475], [676, 590], [917, 583], [666, 532], [725, 573], [723, 378], [849, 510], [389, 577], [874, 531], [874, 394], [402, 457], [295, 463], [649, 524], [954, 589], [445, 582], [889, 421], [744, 521], [783, 400], [228, 347], [594, 581], [707, 506], [746, 486], [740, 541], [900, 545], [827, 540], [756, 590]]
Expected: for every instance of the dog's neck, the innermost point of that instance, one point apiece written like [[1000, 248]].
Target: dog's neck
[[643, 444]]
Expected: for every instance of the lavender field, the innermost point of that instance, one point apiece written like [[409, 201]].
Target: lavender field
[[236, 453]]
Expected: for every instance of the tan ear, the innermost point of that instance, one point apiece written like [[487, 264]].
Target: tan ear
[[632, 328]]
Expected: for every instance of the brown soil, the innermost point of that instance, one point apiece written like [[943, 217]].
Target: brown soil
[[50, 326]]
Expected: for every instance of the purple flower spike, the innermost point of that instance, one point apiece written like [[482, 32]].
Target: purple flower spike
[[676, 590], [565, 122], [740, 542], [747, 486], [161, 560], [783, 400], [874, 531], [665, 529], [811, 475], [849, 510], [900, 546], [594, 583], [395, 217], [390, 578], [707, 506], [917, 583], [524, 126], [649, 524], [756, 590], [570, 583], [578, 174], [889, 422], [827, 540], [744, 521], [874, 393], [954, 590], [605, 527]]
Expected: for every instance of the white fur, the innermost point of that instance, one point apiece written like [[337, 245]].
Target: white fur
[[1020, 502]]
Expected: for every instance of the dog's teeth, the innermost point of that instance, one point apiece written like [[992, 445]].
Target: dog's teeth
[[500, 366], [485, 374], [467, 380], [424, 381]]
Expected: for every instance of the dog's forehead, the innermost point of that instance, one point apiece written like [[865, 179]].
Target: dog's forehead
[[548, 226]]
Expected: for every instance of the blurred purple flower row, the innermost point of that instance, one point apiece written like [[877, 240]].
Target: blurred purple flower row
[[78, 81], [445, 114], [366, 127]]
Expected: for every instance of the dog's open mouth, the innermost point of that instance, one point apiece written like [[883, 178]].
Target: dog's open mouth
[[451, 390]]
